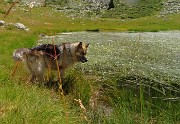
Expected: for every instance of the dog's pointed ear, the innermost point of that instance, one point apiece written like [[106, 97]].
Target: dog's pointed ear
[[79, 45], [87, 45]]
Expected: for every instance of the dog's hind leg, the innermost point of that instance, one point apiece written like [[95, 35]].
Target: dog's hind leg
[[32, 78], [40, 76], [36, 77]]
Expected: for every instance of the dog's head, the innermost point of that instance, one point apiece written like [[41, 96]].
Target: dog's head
[[80, 52]]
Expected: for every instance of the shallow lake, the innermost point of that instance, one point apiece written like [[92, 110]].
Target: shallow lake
[[112, 52]]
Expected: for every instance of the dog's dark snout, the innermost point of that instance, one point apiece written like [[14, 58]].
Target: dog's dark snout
[[83, 59]]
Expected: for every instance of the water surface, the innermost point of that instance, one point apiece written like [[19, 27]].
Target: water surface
[[114, 53]]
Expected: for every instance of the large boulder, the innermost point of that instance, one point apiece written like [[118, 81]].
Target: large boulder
[[20, 26], [108, 4]]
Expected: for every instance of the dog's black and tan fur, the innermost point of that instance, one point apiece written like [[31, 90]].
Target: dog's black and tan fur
[[51, 56]]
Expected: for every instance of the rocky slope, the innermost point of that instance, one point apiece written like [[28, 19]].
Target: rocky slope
[[170, 7], [111, 8]]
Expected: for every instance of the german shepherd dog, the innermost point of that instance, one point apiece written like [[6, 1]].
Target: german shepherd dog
[[51, 56]]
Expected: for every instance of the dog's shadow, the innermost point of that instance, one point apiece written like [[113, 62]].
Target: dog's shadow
[[67, 84]]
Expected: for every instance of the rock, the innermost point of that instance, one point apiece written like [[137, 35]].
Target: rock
[[110, 5], [17, 26], [2, 22], [107, 4], [20, 26]]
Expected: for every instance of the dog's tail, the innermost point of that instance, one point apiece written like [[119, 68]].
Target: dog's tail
[[18, 55]]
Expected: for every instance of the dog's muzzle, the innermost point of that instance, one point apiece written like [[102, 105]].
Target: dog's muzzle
[[83, 59]]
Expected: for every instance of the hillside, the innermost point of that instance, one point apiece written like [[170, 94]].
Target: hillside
[[123, 9]]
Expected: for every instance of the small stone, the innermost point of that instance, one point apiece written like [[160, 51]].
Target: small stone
[[2, 22]]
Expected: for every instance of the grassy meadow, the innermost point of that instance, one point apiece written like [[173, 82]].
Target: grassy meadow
[[118, 85]]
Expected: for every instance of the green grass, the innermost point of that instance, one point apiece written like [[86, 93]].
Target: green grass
[[28, 104], [106, 72], [53, 22]]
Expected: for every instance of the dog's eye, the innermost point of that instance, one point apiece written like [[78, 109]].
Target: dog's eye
[[83, 53]]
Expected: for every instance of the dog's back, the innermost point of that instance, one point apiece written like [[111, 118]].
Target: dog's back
[[48, 49]]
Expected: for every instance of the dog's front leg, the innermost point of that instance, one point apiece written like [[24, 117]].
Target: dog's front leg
[[62, 75], [40, 77]]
